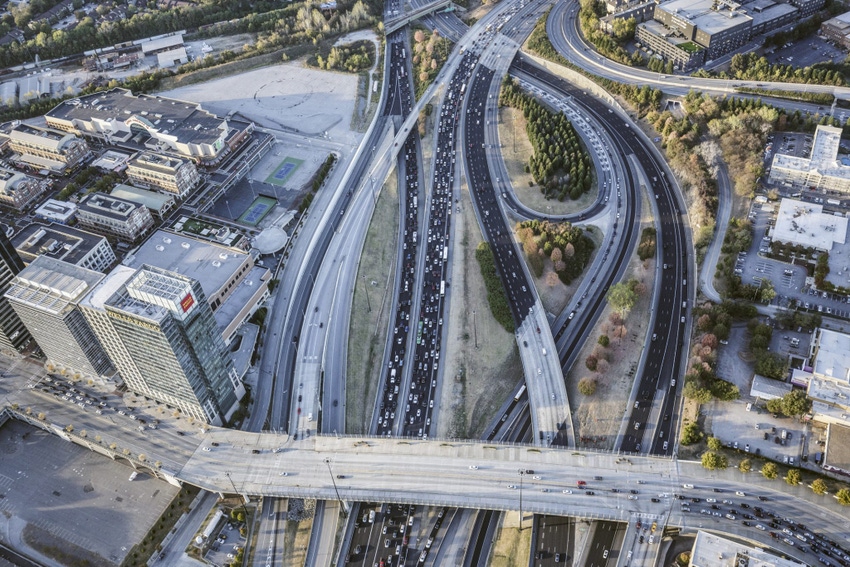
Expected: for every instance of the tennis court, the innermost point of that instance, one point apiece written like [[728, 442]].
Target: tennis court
[[257, 211], [284, 170]]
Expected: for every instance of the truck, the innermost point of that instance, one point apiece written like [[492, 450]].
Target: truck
[[835, 202]]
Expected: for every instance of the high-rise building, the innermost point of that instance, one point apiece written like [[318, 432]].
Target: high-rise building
[[45, 295], [13, 333], [172, 348]]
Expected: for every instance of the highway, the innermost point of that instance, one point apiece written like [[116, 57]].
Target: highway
[[563, 31]]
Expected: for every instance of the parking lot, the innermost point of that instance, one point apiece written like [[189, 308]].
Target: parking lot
[[807, 52], [78, 496], [757, 432], [226, 543]]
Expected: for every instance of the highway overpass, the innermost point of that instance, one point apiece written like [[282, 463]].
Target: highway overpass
[[402, 20]]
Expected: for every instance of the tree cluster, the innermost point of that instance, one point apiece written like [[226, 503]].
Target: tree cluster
[[752, 67], [691, 433], [646, 246], [769, 364], [496, 297], [353, 57], [793, 404], [567, 246], [430, 51], [560, 164], [713, 461], [611, 47]]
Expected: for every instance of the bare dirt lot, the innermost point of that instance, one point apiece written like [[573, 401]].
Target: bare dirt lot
[[512, 546], [516, 151], [288, 95], [597, 418], [476, 380]]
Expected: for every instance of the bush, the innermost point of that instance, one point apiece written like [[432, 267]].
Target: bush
[[604, 340], [819, 487], [587, 386], [713, 461], [745, 466], [691, 434], [715, 444], [793, 477], [770, 471], [646, 248], [843, 496]]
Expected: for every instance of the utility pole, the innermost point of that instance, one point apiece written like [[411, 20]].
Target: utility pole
[[474, 329], [521, 473], [244, 509], [341, 503], [366, 290]]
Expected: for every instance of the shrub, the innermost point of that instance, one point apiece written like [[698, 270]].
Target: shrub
[[587, 386], [770, 471]]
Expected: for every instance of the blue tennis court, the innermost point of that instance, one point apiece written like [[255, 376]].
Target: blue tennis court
[[284, 170], [257, 211]]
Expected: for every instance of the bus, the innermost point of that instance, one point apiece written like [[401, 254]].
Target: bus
[[445, 253], [443, 288], [415, 201], [419, 334], [520, 393]]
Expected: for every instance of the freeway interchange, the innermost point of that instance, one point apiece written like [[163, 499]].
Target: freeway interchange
[[302, 385]]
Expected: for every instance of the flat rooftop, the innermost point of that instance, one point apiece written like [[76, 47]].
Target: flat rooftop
[[830, 391], [107, 287], [56, 241], [768, 388], [156, 162], [185, 121], [108, 206], [230, 308], [831, 359], [806, 224], [210, 264], [151, 199], [703, 16], [52, 285], [711, 550], [837, 453]]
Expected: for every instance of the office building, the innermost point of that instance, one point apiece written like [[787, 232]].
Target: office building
[[822, 170], [53, 210], [45, 295], [716, 25], [670, 45], [808, 7], [46, 149], [160, 124], [18, 190], [837, 29], [769, 15], [233, 285], [13, 334], [159, 204], [165, 323], [805, 224], [164, 173], [72, 245], [113, 216], [640, 11]]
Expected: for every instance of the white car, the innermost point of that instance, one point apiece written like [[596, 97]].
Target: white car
[[207, 449], [567, 491], [473, 467]]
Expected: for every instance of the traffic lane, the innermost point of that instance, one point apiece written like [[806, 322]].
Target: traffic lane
[[554, 540], [600, 546], [655, 171]]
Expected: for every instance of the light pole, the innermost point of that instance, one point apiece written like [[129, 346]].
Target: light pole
[[245, 510], [521, 473], [341, 503], [474, 329], [366, 290]]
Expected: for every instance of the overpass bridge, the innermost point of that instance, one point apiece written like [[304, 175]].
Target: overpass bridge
[[398, 22]]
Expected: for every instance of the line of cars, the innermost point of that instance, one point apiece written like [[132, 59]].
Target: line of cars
[[429, 326], [392, 382]]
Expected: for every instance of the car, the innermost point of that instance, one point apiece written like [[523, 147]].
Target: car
[[473, 467], [589, 492], [655, 500], [761, 527], [207, 449], [567, 491], [605, 554]]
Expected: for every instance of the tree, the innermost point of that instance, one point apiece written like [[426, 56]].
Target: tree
[[691, 434], [770, 471], [692, 391], [591, 362], [587, 386], [713, 461], [793, 477], [819, 487], [843, 496], [796, 403], [604, 340], [745, 466], [622, 297], [715, 444]]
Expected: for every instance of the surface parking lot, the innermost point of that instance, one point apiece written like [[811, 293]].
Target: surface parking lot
[[807, 52], [757, 432], [79, 496]]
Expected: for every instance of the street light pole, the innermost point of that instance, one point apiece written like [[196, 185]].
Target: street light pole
[[341, 503], [366, 290], [245, 510], [474, 329], [521, 475]]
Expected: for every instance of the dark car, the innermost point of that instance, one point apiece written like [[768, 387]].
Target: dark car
[[655, 500], [589, 492]]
